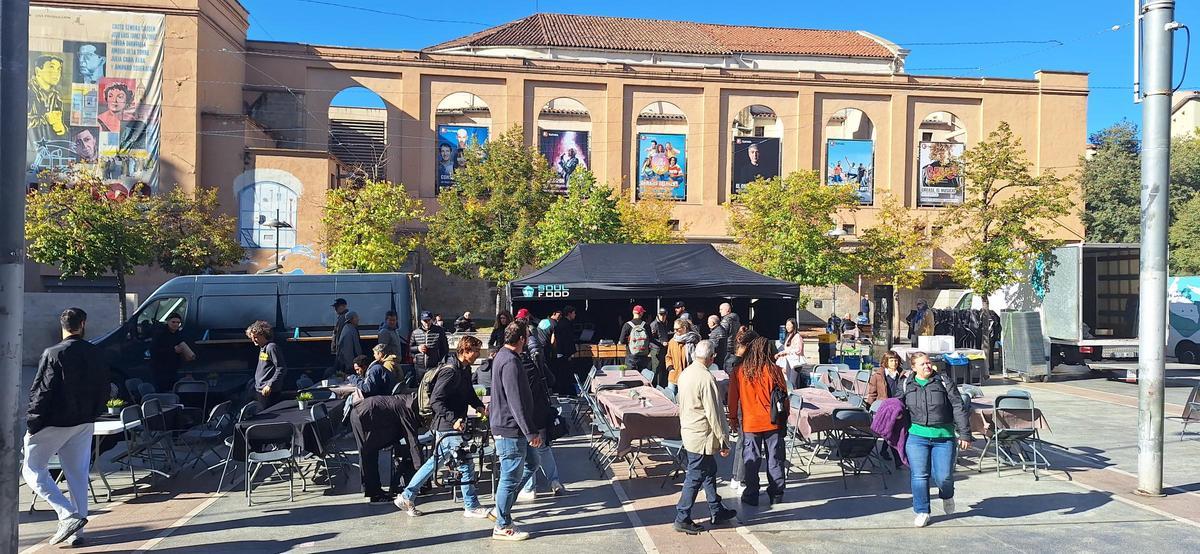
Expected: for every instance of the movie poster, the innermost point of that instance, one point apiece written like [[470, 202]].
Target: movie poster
[[754, 157], [453, 141], [95, 94], [851, 162], [566, 152], [939, 176], [662, 166]]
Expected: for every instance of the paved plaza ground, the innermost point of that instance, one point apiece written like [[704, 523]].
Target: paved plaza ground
[[1084, 504]]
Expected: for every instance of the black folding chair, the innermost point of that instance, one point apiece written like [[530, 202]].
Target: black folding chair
[[271, 444]]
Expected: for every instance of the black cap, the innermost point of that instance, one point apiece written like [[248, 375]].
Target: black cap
[[425, 315], [339, 302], [680, 304], [662, 311]]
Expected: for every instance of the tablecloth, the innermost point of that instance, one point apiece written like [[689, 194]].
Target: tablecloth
[[816, 413], [849, 381], [613, 377], [659, 417]]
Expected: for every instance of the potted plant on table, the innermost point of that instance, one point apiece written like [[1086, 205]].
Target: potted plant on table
[[114, 406], [303, 399]]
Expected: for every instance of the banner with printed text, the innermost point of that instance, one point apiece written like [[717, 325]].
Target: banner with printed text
[[95, 94], [754, 158], [662, 166], [453, 142], [565, 151], [940, 176]]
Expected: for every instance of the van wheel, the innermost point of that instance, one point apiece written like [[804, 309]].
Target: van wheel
[[1186, 352]]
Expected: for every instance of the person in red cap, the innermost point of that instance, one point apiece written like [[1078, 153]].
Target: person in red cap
[[636, 336], [523, 313]]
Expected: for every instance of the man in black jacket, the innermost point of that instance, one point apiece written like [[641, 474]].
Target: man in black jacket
[[731, 323], [68, 393], [661, 332], [514, 427], [565, 339], [380, 422], [270, 364], [429, 347], [451, 395]]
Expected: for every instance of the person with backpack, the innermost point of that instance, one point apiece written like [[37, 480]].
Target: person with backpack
[[635, 334], [758, 405], [935, 412], [444, 394]]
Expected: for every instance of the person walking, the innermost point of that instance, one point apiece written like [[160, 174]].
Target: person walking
[[935, 411], [790, 357], [742, 341], [864, 308], [541, 382], [349, 343], [166, 353], [513, 428], [759, 406], [565, 341], [340, 308], [69, 391], [702, 428], [635, 335], [679, 349], [429, 347], [660, 334], [270, 364], [886, 382], [450, 396], [717, 334]]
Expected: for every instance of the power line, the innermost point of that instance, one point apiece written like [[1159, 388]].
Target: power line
[[396, 14]]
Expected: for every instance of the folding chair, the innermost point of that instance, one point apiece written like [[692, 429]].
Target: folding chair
[[321, 433], [1014, 434], [205, 438], [674, 449], [154, 424], [194, 397], [1191, 410], [132, 387], [55, 465], [145, 388], [648, 374], [271, 444], [245, 414], [857, 449]]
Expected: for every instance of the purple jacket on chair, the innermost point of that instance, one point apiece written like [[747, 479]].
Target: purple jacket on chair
[[891, 423]]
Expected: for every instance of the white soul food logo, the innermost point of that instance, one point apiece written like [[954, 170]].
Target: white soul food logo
[[546, 291]]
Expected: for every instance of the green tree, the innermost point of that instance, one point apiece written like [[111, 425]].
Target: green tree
[[1184, 240], [486, 224], [648, 221], [781, 228], [362, 226], [896, 250], [588, 213], [194, 236], [1006, 215], [74, 222], [1110, 181]]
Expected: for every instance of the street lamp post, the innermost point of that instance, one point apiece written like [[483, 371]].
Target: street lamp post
[[837, 232], [278, 225]]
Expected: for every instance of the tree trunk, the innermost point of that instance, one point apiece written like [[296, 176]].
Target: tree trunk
[[121, 296], [985, 334]]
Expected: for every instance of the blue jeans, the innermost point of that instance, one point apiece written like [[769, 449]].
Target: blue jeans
[[928, 457], [545, 461], [427, 470], [517, 463], [701, 474]]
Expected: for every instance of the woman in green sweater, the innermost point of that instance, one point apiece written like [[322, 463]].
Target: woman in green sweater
[[938, 415]]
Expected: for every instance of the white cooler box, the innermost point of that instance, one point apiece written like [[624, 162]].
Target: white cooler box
[[936, 344]]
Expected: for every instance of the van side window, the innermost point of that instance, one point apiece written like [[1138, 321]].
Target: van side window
[[157, 312]]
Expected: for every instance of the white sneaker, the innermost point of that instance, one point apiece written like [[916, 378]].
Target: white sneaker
[[76, 540], [948, 505], [527, 496], [407, 506], [509, 533], [558, 488], [476, 513], [736, 486], [921, 521]]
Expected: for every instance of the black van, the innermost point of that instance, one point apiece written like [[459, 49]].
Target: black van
[[216, 310]]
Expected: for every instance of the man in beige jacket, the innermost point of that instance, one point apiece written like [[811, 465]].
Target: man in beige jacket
[[703, 429]]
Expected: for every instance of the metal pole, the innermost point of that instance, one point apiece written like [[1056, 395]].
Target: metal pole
[[1152, 297], [14, 78], [278, 269]]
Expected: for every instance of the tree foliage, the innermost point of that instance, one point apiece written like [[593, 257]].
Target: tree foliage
[[1110, 183], [193, 235], [486, 224], [1006, 215], [1184, 239], [75, 222], [648, 221], [588, 213], [781, 228], [362, 226], [897, 248]]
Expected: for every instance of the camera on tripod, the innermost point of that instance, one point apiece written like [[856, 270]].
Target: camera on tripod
[[465, 453]]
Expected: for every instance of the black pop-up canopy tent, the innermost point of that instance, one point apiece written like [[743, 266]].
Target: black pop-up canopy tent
[[613, 277]]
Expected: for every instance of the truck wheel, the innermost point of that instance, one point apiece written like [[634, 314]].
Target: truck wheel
[[1186, 352]]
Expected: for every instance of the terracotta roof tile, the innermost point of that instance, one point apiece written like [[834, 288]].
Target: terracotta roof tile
[[675, 37]]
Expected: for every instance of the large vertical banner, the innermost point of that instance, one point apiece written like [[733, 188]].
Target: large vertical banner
[[95, 95], [662, 166], [851, 162], [754, 157], [940, 178], [566, 151], [453, 141]]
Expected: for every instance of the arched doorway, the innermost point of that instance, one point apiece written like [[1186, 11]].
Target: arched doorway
[[358, 134]]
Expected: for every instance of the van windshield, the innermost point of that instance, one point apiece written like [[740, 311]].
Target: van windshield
[[158, 310]]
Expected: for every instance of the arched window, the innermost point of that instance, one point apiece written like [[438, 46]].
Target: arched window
[[261, 203]]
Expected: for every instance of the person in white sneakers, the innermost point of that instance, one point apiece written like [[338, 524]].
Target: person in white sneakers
[[936, 411], [514, 428], [68, 393]]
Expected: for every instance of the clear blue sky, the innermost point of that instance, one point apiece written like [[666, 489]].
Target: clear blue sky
[[944, 36]]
